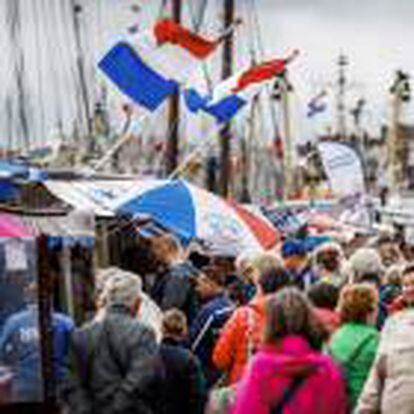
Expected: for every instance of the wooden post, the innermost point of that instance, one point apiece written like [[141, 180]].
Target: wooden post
[[67, 278], [227, 69], [172, 149], [45, 289]]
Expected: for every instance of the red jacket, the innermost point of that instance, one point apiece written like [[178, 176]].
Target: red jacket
[[241, 335]]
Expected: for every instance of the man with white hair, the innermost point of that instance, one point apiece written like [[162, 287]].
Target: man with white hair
[[148, 313], [112, 358]]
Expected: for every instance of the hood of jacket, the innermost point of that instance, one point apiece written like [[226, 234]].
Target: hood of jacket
[[291, 357]]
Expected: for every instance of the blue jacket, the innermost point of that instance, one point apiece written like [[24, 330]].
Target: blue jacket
[[20, 350], [204, 332]]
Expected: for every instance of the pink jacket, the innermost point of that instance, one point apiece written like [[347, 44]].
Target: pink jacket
[[271, 371]]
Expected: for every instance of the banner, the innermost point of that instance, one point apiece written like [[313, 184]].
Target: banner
[[343, 169]]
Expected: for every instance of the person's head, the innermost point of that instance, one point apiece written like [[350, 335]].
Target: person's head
[[274, 278], [328, 258], [366, 264], [389, 250], [236, 288], [251, 264], [324, 295], [123, 289], [407, 279], [174, 324], [167, 249], [289, 312], [102, 277], [294, 254], [211, 282], [393, 275], [358, 303]]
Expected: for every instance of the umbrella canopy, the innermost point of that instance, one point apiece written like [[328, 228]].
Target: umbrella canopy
[[12, 226], [193, 213]]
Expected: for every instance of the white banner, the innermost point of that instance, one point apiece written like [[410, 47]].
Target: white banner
[[343, 168]]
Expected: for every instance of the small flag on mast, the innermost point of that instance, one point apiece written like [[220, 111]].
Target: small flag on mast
[[316, 105]]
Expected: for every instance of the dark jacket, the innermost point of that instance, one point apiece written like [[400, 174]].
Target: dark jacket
[[180, 386], [304, 278], [111, 366], [174, 288], [205, 331]]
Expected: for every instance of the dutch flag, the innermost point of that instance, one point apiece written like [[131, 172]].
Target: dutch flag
[[150, 66], [232, 94]]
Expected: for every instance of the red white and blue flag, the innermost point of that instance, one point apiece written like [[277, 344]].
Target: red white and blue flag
[[232, 94], [150, 66]]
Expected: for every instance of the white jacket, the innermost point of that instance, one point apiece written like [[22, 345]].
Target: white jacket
[[390, 386]]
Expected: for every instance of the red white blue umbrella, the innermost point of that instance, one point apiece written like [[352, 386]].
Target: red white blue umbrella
[[193, 213]]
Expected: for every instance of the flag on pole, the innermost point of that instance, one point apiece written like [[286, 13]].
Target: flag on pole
[[232, 94], [150, 66], [316, 105]]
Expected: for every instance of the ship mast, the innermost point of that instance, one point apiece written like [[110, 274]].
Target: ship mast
[[80, 64], [172, 149], [400, 93], [227, 69], [340, 104]]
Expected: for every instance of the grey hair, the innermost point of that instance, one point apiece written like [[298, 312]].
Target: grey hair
[[102, 277], [365, 261], [123, 288], [257, 259]]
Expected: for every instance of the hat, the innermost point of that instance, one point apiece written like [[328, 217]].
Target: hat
[[293, 247]]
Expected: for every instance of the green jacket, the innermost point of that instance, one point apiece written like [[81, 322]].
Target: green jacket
[[354, 346]]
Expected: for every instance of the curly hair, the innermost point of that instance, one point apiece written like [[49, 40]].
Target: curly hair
[[174, 323], [289, 312], [357, 302]]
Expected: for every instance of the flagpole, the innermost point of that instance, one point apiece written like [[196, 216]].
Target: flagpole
[[172, 150], [227, 69]]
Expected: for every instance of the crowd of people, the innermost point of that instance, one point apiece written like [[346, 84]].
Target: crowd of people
[[326, 329]]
